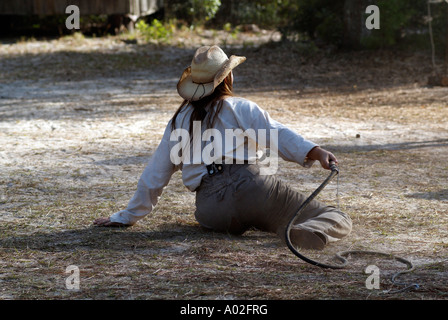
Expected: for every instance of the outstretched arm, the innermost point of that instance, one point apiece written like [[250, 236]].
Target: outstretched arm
[[154, 178]]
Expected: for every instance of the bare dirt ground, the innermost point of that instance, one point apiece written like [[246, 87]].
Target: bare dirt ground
[[79, 119]]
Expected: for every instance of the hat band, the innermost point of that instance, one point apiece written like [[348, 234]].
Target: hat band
[[203, 89], [202, 82]]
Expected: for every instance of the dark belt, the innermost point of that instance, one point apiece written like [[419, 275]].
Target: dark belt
[[214, 168]]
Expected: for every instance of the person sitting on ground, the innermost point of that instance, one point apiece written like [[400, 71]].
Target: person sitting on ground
[[233, 192]]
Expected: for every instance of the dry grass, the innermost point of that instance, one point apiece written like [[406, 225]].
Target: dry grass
[[79, 119]]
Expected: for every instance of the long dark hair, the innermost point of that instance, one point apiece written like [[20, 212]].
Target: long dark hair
[[215, 100]]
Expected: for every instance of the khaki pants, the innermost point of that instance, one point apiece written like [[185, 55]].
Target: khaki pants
[[240, 198]]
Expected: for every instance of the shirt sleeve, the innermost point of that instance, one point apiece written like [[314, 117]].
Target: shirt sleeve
[[154, 178], [290, 145]]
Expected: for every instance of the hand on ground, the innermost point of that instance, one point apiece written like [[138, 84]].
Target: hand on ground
[[105, 222]]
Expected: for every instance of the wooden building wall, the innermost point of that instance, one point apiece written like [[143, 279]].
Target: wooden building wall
[[51, 7]]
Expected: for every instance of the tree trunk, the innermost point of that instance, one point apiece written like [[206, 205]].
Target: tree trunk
[[354, 22], [446, 43], [352, 26]]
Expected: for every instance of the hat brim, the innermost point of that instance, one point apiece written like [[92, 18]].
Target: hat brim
[[191, 91]]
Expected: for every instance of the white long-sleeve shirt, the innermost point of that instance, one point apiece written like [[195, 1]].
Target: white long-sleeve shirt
[[238, 115]]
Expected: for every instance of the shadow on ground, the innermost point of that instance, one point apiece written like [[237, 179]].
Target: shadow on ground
[[149, 72], [123, 239], [439, 143]]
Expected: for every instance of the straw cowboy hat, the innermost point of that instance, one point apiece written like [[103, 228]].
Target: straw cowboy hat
[[209, 67]]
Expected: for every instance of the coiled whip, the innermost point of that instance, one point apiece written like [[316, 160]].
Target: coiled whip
[[341, 256]]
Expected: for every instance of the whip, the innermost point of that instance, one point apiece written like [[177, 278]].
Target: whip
[[341, 256]]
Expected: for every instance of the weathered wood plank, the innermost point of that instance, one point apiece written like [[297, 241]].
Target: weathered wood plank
[[51, 7]]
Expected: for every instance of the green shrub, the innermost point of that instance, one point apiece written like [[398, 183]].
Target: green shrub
[[326, 20], [315, 19], [156, 30], [203, 10], [194, 12], [265, 13], [394, 18]]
